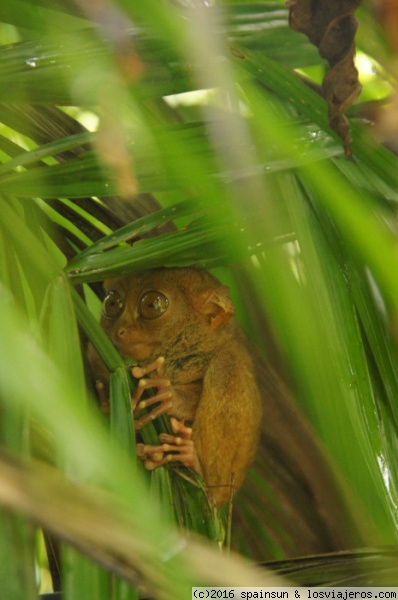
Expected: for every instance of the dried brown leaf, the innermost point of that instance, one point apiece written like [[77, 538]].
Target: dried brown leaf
[[331, 26]]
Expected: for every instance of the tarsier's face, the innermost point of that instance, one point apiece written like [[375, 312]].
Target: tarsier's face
[[134, 313], [152, 313]]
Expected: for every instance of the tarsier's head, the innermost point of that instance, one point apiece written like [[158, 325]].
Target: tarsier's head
[[165, 311]]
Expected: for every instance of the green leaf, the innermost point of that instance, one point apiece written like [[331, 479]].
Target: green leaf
[[263, 26], [51, 149], [121, 417], [96, 335]]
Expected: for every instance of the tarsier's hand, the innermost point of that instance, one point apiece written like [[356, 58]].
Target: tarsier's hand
[[163, 396], [178, 447]]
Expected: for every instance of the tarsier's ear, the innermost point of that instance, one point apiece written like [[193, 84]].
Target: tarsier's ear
[[216, 304]]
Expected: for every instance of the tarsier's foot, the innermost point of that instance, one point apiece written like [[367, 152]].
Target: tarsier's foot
[[179, 447], [163, 396]]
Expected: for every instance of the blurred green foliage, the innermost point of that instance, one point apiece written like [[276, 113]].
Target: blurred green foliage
[[251, 176]]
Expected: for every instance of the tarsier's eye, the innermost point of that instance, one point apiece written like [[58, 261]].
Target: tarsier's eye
[[152, 304], [113, 305]]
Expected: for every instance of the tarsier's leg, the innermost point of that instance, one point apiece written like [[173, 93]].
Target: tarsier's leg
[[178, 447]]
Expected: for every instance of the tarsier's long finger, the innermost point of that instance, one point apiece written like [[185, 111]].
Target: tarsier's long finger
[[184, 453], [167, 438], [163, 396], [156, 366], [165, 405], [158, 383], [155, 453], [180, 428], [162, 385], [152, 456]]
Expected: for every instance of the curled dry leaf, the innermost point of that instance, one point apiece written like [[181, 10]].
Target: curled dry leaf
[[331, 27]]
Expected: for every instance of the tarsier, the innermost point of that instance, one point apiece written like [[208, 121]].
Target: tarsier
[[179, 325]]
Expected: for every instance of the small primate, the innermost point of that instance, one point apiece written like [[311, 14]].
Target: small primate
[[179, 325], [226, 405]]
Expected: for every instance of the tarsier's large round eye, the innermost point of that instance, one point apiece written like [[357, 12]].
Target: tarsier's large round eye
[[152, 304], [113, 305]]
